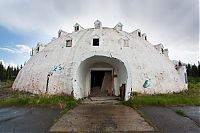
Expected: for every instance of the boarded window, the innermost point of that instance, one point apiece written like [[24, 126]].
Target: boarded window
[[68, 43], [96, 42]]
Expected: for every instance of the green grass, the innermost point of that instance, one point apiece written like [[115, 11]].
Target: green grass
[[181, 112], [15, 98], [8, 97], [20, 99], [189, 97]]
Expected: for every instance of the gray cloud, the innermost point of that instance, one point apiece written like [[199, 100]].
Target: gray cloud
[[175, 23]]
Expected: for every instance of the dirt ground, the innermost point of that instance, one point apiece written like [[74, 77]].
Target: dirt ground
[[101, 118]]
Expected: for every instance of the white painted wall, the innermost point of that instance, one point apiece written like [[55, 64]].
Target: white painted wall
[[182, 73], [134, 63]]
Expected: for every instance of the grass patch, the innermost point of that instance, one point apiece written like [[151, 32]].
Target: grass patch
[[6, 84], [8, 97], [163, 100], [181, 113], [189, 97], [20, 99]]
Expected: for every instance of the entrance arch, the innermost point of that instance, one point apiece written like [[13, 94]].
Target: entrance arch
[[120, 75]]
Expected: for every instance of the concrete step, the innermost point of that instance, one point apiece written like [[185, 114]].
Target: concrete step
[[101, 100], [104, 98]]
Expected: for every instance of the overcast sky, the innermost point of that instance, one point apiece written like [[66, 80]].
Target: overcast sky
[[174, 23]]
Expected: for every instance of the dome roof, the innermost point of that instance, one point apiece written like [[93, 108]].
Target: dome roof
[[66, 61]]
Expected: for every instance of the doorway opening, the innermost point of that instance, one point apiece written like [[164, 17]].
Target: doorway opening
[[101, 83]]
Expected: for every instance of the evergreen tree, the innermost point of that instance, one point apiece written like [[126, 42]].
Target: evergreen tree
[[194, 71], [21, 67], [2, 72], [9, 73], [198, 68], [188, 69]]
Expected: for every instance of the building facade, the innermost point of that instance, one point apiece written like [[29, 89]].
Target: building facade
[[100, 61]]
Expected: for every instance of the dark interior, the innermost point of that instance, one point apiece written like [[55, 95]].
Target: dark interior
[[97, 78], [96, 42]]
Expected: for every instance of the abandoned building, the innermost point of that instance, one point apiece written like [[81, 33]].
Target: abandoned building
[[100, 61]]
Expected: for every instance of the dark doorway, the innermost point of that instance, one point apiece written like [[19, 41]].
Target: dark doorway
[[97, 78], [101, 83]]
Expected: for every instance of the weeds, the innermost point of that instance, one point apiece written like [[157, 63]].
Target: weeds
[[9, 97], [60, 101], [6, 84]]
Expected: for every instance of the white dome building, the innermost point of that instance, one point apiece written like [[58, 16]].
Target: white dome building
[[98, 62]]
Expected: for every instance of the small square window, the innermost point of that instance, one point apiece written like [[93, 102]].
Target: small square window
[[76, 28], [68, 43], [96, 42]]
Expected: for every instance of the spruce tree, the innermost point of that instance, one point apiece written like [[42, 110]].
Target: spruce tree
[[188, 69], [198, 68], [194, 71]]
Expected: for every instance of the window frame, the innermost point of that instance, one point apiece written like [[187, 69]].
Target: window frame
[[69, 41], [94, 43], [77, 28]]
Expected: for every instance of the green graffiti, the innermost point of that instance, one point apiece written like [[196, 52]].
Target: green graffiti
[[146, 84]]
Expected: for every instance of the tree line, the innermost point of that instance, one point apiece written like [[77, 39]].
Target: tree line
[[8, 73], [193, 70]]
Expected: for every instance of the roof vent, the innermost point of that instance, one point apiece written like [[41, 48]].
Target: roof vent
[[119, 26], [97, 24], [144, 36], [136, 33], [77, 27], [61, 33]]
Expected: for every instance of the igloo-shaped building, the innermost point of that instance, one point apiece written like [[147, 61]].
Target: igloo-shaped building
[[100, 61]]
